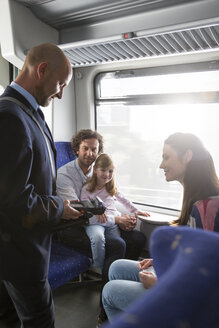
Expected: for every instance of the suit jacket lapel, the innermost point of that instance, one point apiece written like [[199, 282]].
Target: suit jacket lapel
[[9, 91]]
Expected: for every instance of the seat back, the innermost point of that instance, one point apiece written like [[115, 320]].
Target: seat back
[[65, 262], [187, 291], [65, 153]]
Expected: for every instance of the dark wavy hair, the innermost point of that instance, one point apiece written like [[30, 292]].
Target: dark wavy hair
[[200, 180], [86, 134]]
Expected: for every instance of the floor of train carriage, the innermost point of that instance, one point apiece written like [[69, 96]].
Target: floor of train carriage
[[77, 305]]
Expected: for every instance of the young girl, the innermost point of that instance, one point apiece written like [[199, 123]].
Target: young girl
[[102, 184]]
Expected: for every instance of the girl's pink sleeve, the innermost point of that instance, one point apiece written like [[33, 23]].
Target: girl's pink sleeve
[[124, 201], [85, 195]]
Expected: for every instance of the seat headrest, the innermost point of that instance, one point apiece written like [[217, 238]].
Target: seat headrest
[[65, 153], [187, 292]]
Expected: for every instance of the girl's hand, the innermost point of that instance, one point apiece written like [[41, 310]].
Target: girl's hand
[[144, 264], [148, 279], [141, 213], [101, 218]]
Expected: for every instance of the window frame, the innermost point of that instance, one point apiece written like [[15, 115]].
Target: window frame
[[156, 99]]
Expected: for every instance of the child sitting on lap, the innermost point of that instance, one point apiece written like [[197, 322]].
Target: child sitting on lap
[[102, 184]]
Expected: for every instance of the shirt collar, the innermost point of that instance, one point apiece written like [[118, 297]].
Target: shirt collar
[[88, 175], [25, 93]]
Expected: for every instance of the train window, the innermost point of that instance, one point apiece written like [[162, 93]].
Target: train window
[[1, 89], [136, 110]]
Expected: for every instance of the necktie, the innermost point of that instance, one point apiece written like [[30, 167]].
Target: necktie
[[40, 117]]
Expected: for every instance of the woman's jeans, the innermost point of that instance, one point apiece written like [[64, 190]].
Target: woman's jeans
[[123, 288]]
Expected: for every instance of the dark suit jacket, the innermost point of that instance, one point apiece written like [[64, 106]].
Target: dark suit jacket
[[28, 205]]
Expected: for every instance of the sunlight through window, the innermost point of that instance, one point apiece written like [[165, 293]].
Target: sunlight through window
[[136, 114]]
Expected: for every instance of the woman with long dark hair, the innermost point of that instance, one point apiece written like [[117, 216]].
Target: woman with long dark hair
[[186, 160]]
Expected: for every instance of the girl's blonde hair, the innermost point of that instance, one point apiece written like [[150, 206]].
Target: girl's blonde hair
[[102, 161]]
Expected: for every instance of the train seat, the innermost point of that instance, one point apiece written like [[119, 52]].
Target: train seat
[[65, 262], [65, 153], [187, 291]]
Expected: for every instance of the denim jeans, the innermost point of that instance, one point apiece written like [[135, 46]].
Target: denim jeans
[[123, 288], [97, 235]]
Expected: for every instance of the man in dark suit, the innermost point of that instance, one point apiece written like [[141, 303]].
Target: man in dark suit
[[29, 206]]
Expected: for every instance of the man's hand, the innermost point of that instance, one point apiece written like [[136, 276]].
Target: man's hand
[[126, 222], [69, 212]]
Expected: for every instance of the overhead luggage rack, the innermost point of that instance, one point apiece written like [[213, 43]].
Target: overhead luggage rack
[[164, 44]]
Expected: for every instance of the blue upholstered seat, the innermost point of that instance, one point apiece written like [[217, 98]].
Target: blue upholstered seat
[[65, 262], [65, 153], [187, 291]]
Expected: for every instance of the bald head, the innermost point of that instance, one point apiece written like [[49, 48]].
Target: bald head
[[46, 52], [46, 71]]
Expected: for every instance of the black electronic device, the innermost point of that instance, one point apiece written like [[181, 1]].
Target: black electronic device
[[87, 207]]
